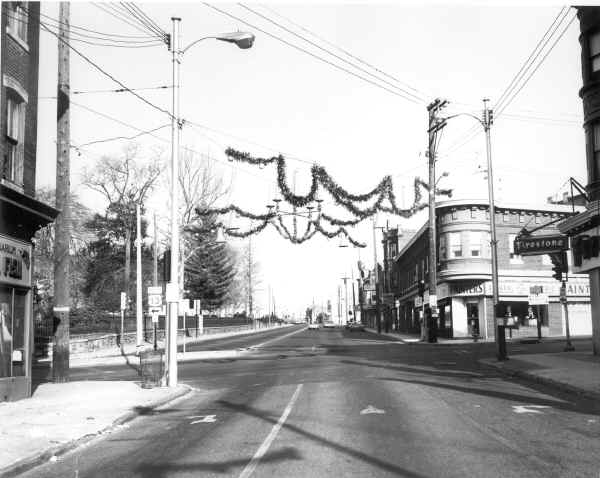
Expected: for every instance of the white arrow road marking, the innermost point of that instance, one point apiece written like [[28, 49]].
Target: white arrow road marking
[[204, 419], [250, 467], [371, 409], [528, 408]]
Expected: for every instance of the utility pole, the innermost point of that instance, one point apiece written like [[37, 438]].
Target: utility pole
[[353, 297], [436, 124], [376, 270], [250, 277], [345, 279], [498, 329], [62, 293], [127, 264], [340, 303], [155, 256], [138, 278]]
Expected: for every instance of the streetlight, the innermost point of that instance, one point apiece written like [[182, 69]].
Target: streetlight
[[486, 123], [243, 40]]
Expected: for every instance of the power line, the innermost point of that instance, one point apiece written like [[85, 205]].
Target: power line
[[108, 75], [122, 90], [346, 52], [331, 53], [111, 10], [115, 138], [527, 64], [296, 47], [137, 13], [537, 67]]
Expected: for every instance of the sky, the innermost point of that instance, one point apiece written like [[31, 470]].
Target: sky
[[274, 99]]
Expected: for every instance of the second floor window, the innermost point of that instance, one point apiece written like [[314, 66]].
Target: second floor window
[[442, 247], [455, 245], [15, 137], [17, 21], [475, 243]]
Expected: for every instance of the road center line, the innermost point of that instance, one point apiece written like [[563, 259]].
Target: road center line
[[281, 337], [250, 467]]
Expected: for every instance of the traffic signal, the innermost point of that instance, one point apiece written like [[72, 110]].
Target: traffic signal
[[559, 265], [421, 288]]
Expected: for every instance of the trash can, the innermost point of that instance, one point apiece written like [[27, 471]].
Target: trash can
[[151, 368]]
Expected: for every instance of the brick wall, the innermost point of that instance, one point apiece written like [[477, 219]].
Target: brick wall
[[22, 66]]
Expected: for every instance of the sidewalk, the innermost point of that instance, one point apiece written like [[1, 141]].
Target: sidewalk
[[416, 338], [60, 417], [577, 372], [114, 356]]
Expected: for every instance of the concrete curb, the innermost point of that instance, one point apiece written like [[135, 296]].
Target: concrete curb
[[565, 387], [121, 359], [27, 463]]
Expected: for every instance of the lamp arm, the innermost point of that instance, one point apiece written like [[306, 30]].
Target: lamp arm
[[181, 52], [466, 114]]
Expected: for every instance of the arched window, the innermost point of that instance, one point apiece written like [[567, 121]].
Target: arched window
[[17, 21], [14, 150]]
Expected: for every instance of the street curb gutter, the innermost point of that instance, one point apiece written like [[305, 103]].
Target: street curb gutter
[[565, 387], [26, 464]]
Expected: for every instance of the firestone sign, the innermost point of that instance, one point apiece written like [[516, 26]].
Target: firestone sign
[[535, 245]]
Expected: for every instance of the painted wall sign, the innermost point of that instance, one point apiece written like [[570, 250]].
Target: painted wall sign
[[15, 262]]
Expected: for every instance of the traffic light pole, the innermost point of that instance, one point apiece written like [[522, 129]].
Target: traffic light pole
[[563, 298]]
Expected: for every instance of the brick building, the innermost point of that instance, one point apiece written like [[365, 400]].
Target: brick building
[[21, 215], [584, 228], [464, 288]]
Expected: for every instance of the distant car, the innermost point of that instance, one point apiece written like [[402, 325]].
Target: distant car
[[314, 326], [328, 325], [356, 326]]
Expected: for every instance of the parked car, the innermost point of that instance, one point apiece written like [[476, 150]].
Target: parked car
[[314, 326], [328, 325], [356, 326]]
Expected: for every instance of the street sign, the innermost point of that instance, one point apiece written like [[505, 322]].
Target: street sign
[[172, 292], [154, 298], [123, 301], [155, 316], [537, 245], [538, 299]]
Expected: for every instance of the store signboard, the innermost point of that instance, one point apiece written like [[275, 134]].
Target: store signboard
[[537, 245], [15, 262]]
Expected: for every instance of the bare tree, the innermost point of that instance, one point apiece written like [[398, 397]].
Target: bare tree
[[124, 181]]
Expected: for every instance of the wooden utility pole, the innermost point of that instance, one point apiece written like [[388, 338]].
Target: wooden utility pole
[[127, 266], [250, 291], [60, 353], [435, 125]]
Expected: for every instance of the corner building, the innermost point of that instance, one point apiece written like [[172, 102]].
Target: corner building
[[464, 288], [21, 215]]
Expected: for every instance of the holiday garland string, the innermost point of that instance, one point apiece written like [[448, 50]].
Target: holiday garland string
[[383, 192]]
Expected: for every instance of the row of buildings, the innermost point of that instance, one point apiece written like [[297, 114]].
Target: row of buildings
[[464, 288]]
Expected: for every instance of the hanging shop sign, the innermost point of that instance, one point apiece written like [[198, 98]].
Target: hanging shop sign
[[537, 245], [15, 262]]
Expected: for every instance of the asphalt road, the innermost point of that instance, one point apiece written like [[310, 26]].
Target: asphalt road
[[336, 403]]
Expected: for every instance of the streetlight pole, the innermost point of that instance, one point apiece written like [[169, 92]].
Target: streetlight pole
[[243, 40], [345, 279], [376, 278], [172, 286]]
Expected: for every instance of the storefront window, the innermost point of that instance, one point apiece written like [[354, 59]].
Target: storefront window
[[13, 303], [5, 331]]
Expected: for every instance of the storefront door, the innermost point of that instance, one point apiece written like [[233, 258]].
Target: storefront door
[[473, 317], [13, 311]]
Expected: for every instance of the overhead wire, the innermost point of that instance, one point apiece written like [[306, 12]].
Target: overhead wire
[[344, 51], [498, 113], [303, 50], [310, 42], [135, 12], [530, 59], [109, 9], [105, 73]]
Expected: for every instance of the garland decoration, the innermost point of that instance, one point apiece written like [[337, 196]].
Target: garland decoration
[[383, 197]]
